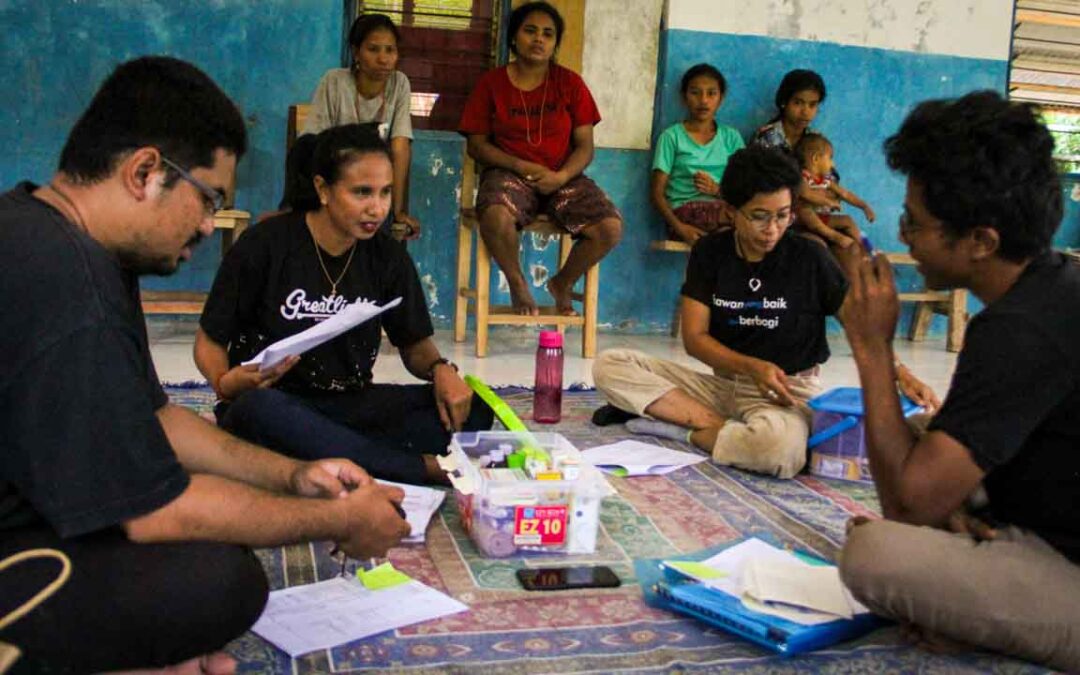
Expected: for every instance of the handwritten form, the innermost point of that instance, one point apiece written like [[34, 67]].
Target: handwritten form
[[328, 613]]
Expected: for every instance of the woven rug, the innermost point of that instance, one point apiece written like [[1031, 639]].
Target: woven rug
[[509, 630]]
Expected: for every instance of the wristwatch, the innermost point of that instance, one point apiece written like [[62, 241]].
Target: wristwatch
[[430, 374]]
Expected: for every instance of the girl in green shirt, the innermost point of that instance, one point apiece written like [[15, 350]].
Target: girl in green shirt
[[691, 157]]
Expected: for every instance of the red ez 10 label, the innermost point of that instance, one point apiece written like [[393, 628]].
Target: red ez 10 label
[[539, 525]]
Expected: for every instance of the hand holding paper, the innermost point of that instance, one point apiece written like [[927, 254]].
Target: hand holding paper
[[294, 345]]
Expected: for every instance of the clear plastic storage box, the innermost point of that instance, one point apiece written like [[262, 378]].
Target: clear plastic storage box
[[838, 444], [510, 510]]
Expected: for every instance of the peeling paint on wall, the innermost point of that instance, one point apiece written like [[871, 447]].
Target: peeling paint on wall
[[539, 274], [504, 286], [541, 241], [1075, 194], [969, 28], [431, 289], [436, 165], [618, 62]]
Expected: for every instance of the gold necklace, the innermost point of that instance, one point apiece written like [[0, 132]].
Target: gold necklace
[[74, 209], [326, 273], [540, 126]]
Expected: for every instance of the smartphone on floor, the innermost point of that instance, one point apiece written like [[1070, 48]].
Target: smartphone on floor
[[566, 578]]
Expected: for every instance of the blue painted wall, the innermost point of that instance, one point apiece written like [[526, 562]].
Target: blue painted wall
[[1068, 235], [265, 55], [270, 54], [870, 91]]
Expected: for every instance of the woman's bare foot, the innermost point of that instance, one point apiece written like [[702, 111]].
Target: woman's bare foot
[[521, 298], [564, 297]]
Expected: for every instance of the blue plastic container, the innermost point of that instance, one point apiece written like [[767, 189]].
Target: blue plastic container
[[838, 444]]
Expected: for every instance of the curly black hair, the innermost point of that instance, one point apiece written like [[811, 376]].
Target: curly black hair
[[983, 161], [758, 170]]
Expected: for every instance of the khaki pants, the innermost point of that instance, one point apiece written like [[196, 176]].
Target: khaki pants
[[758, 435], [1016, 594]]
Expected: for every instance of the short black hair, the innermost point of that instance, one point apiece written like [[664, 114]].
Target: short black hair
[[983, 161], [365, 24], [153, 101], [517, 17], [702, 69], [758, 170], [336, 147], [810, 144], [795, 81]]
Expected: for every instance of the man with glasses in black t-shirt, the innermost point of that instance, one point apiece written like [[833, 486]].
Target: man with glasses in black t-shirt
[[983, 202], [153, 506]]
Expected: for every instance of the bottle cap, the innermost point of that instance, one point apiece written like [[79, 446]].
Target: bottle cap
[[550, 338], [515, 460]]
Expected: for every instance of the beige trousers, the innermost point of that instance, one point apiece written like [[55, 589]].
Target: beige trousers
[[1016, 594], [758, 435]]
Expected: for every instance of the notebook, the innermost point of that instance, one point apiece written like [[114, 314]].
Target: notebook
[[717, 599]]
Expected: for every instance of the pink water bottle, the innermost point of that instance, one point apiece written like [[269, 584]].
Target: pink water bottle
[[547, 396]]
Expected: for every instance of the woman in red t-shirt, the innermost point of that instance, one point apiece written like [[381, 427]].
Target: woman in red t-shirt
[[530, 124]]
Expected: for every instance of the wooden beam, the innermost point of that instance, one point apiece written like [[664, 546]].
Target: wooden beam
[[1048, 18], [1048, 88]]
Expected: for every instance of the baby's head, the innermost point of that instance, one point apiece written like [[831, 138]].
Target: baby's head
[[815, 154]]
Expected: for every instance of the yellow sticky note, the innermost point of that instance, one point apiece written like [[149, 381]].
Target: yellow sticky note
[[695, 569], [383, 576]]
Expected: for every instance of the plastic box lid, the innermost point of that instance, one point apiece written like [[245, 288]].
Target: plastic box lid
[[848, 401]]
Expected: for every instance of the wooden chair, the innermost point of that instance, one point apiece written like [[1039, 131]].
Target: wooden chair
[[479, 295], [231, 223], [951, 303], [298, 113], [673, 246]]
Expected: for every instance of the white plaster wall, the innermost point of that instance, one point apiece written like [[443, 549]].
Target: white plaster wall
[[969, 28], [619, 61]]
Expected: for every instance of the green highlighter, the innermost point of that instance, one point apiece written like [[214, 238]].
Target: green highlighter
[[507, 416]]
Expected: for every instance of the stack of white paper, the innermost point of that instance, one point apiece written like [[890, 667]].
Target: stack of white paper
[[639, 459], [420, 504], [773, 581], [294, 345], [330, 613]]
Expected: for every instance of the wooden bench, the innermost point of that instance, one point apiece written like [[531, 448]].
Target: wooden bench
[[672, 246], [479, 294], [231, 223], [950, 303]]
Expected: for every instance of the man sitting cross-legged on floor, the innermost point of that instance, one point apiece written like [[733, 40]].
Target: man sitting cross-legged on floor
[[152, 505], [753, 309], [983, 202]]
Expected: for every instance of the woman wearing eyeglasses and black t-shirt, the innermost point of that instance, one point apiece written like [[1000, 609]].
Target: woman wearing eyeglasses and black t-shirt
[[754, 306]]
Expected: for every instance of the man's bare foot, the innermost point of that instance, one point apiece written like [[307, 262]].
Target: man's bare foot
[[521, 298], [564, 299], [217, 663]]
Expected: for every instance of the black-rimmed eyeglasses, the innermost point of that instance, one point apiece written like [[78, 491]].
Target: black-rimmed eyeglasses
[[213, 198]]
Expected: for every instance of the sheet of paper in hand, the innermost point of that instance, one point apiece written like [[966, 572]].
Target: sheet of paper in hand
[[294, 345]]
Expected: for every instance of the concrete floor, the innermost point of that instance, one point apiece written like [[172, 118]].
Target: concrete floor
[[512, 350]]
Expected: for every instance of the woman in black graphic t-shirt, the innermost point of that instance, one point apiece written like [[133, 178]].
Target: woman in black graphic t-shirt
[[292, 271], [754, 306]]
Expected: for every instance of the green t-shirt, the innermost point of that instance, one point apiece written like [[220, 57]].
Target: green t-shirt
[[680, 157]]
